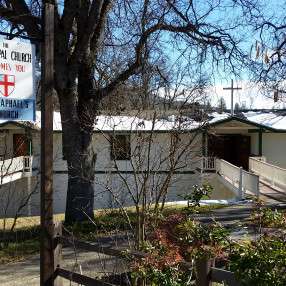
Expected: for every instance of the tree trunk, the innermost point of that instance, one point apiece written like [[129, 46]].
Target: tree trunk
[[77, 134]]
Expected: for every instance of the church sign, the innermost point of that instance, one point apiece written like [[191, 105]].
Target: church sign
[[17, 86]]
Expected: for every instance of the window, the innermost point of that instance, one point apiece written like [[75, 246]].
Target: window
[[120, 147], [22, 145]]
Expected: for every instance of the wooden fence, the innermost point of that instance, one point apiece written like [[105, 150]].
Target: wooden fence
[[205, 272]]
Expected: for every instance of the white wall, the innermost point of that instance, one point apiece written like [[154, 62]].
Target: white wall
[[273, 148], [254, 143], [113, 189]]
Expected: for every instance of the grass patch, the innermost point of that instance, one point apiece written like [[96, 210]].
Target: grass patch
[[27, 222], [106, 223], [18, 251]]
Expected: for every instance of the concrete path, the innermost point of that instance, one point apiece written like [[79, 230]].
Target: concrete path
[[272, 194], [92, 264], [89, 263], [235, 213], [236, 219]]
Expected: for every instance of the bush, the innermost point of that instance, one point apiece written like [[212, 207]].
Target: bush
[[168, 276], [197, 194], [105, 223], [261, 263], [267, 217], [201, 240]]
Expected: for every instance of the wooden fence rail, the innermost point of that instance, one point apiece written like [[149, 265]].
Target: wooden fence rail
[[206, 274], [96, 247], [79, 278]]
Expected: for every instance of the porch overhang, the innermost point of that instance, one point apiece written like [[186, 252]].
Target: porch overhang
[[238, 123], [18, 124]]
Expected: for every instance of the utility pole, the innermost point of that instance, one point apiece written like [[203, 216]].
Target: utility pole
[[232, 89], [47, 266]]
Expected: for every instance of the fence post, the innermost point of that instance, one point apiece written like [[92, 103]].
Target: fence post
[[240, 187], [258, 190], [203, 271], [57, 251]]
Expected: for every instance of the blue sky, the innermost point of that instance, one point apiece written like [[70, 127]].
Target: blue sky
[[221, 77]]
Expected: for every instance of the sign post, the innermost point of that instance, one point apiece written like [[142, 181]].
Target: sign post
[[47, 264]]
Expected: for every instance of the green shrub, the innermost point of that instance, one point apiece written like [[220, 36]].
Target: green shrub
[[202, 240], [261, 263], [197, 194], [19, 250], [169, 276], [267, 217]]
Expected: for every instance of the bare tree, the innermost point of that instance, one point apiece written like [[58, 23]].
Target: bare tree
[[101, 44], [150, 162], [267, 53]]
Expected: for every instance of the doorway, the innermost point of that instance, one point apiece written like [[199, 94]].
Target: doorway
[[234, 148]]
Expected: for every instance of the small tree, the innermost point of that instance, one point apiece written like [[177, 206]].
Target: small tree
[[236, 107], [221, 105]]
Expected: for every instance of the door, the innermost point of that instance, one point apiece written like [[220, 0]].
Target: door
[[233, 148], [216, 146], [243, 151], [20, 145]]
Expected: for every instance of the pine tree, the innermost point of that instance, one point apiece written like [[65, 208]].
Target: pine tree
[[221, 105], [236, 108]]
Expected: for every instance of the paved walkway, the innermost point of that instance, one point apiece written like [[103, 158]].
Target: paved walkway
[[272, 195], [88, 263], [235, 213]]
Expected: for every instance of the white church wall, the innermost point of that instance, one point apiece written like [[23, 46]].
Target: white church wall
[[110, 187], [273, 148], [15, 194], [254, 147]]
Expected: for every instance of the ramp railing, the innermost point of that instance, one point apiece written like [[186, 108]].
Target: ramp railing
[[15, 168], [269, 173], [208, 163], [241, 180]]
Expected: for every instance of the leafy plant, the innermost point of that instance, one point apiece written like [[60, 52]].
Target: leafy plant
[[267, 217], [261, 263], [197, 194], [168, 276], [202, 241], [19, 250]]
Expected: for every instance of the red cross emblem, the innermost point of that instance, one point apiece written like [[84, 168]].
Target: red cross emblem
[[7, 84]]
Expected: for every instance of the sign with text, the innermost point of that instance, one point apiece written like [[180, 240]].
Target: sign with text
[[17, 96]]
